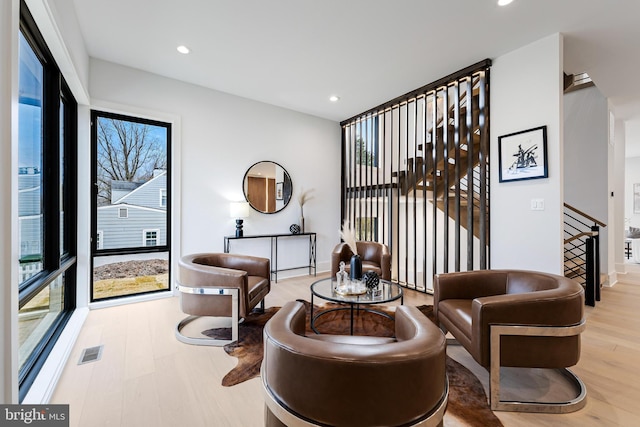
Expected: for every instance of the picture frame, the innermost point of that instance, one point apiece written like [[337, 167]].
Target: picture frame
[[636, 198], [279, 190], [523, 155]]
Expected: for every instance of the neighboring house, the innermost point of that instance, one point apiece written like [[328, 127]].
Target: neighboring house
[[30, 220], [29, 211], [137, 216]]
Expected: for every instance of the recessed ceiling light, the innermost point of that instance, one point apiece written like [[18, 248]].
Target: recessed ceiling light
[[334, 98], [183, 49], [504, 2]]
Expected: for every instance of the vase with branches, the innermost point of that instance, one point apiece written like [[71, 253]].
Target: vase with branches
[[303, 198], [348, 235]]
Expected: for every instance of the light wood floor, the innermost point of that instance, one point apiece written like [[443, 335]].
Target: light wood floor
[[147, 378]]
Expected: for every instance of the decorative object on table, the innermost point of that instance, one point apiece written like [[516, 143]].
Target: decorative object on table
[[294, 229], [239, 210], [356, 267], [351, 287], [341, 277], [523, 155], [346, 286], [303, 198], [371, 279], [348, 235]]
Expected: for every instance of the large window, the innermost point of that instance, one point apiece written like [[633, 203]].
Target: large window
[[131, 205], [46, 201]]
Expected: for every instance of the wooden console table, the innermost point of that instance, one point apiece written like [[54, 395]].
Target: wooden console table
[[274, 250]]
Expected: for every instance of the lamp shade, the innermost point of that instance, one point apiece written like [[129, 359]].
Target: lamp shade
[[239, 209]]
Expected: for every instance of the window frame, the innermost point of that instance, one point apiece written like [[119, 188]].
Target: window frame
[[58, 252], [165, 247], [95, 252]]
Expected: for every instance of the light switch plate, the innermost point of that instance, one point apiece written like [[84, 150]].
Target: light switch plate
[[537, 204]]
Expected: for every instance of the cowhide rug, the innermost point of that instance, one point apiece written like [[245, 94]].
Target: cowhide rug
[[467, 400]]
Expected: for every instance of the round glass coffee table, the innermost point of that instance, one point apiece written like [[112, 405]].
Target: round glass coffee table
[[325, 289]]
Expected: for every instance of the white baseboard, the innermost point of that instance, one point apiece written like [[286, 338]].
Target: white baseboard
[[612, 279], [628, 271]]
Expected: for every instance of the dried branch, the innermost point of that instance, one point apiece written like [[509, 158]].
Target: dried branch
[[348, 234], [303, 198]]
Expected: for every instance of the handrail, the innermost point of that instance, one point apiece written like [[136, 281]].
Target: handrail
[[583, 234], [590, 218], [582, 251]]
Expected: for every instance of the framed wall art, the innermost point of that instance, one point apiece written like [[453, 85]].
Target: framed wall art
[[523, 155], [636, 198]]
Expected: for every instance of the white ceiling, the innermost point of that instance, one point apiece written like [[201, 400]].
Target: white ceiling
[[295, 53]]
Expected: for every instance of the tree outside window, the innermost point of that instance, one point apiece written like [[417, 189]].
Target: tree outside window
[[127, 152]]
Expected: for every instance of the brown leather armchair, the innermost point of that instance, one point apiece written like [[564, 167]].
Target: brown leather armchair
[[353, 380], [375, 257], [225, 285], [515, 318]]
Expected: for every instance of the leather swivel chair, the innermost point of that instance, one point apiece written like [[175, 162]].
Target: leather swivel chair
[[221, 285], [515, 318], [375, 257], [345, 380]]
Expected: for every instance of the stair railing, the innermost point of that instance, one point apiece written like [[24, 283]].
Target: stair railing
[[582, 251]]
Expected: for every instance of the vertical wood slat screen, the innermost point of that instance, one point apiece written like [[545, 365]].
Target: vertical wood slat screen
[[415, 176]]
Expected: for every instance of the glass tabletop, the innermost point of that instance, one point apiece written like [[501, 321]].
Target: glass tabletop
[[385, 292]]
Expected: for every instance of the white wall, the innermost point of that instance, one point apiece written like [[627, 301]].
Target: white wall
[[9, 13], [56, 20], [221, 137], [632, 176], [586, 136], [617, 149], [526, 92]]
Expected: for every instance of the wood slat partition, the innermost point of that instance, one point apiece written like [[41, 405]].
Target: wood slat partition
[[415, 177]]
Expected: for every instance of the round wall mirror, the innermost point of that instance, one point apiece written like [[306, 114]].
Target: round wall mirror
[[267, 187]]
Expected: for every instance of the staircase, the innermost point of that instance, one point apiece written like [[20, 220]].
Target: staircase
[[582, 252], [441, 175], [464, 203], [416, 168]]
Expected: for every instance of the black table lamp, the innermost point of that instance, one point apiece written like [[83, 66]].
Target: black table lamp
[[239, 210]]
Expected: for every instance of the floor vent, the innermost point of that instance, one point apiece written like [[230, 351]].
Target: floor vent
[[90, 354]]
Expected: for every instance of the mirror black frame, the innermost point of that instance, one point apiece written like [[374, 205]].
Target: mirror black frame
[[284, 188]]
